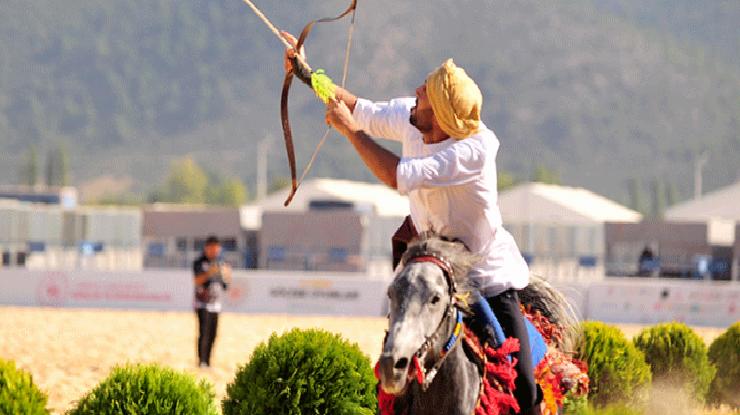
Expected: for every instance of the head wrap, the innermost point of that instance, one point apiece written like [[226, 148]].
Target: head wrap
[[456, 100]]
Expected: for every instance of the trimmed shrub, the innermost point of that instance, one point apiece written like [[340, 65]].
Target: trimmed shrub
[[303, 372], [148, 390], [18, 394], [616, 369], [608, 410], [677, 357], [724, 353]]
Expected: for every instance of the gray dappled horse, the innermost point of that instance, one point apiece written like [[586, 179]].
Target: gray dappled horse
[[427, 299]]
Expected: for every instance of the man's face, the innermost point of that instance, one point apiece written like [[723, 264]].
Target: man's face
[[422, 115], [212, 251]]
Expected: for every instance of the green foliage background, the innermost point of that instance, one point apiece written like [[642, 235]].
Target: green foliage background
[[724, 353], [148, 390], [303, 372], [677, 356], [599, 91], [18, 393], [616, 369]]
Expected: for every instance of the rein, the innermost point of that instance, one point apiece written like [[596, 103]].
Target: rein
[[423, 376]]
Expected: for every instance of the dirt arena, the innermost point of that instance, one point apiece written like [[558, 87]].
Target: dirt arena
[[70, 351]]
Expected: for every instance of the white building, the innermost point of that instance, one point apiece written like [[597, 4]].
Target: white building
[[560, 229], [378, 198], [45, 236], [314, 241], [174, 234], [720, 210]]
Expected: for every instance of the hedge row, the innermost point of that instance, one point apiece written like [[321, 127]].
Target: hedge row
[[317, 372], [670, 354], [300, 372]]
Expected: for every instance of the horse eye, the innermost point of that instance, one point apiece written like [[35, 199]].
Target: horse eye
[[435, 299]]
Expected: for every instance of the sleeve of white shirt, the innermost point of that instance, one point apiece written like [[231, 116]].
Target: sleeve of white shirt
[[457, 164], [389, 120]]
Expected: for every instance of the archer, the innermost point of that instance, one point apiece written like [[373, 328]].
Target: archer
[[448, 171]]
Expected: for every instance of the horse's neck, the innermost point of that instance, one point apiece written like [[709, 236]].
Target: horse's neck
[[454, 390]]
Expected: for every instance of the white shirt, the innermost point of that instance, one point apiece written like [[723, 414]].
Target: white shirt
[[451, 187]]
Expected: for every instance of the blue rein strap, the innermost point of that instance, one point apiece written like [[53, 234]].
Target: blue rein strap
[[455, 334]]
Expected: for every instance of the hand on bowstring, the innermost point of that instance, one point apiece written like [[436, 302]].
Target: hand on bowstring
[[340, 117]]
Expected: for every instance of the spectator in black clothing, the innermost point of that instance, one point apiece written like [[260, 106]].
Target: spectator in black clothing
[[212, 278], [646, 263]]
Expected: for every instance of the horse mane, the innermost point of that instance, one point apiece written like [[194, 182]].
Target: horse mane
[[539, 294], [454, 251]]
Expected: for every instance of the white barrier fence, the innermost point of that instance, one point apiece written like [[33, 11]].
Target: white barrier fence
[[697, 303], [250, 292], [611, 300]]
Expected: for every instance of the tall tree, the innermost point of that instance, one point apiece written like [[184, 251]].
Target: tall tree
[[29, 172], [636, 195], [658, 193], [278, 183], [185, 183], [506, 180], [545, 175], [671, 193], [228, 192], [57, 166]]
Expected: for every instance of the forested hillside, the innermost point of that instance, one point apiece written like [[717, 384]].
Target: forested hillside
[[604, 92]]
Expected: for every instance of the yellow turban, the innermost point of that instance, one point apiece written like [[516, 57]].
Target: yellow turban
[[456, 100]]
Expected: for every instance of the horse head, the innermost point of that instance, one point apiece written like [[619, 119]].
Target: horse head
[[426, 299]]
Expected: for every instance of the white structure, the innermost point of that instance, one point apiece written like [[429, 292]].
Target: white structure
[[723, 203], [560, 229], [43, 236], [379, 209], [174, 234], [377, 198], [720, 210]]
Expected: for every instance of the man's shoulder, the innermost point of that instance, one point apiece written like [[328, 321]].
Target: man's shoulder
[[485, 137]]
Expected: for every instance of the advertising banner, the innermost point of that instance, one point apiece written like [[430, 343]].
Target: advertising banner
[[250, 292], [643, 302]]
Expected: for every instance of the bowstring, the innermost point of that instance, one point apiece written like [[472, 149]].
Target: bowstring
[[345, 71]]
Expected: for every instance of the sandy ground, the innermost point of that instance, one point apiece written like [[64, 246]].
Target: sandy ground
[[69, 351]]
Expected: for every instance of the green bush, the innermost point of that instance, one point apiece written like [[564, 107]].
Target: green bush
[[303, 372], [724, 353], [677, 356], [616, 369], [608, 410], [148, 390], [18, 394]]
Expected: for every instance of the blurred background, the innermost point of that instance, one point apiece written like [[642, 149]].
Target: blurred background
[[129, 131]]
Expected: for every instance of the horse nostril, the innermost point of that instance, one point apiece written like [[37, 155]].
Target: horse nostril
[[402, 363]]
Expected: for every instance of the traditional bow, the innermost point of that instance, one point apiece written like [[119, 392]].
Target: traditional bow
[[305, 74]]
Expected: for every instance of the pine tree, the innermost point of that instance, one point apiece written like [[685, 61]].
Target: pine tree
[[57, 166], [29, 172], [544, 175], [658, 191], [636, 195], [185, 183]]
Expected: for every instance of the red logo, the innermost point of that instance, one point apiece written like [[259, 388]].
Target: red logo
[[53, 289]]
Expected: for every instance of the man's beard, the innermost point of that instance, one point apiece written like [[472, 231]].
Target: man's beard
[[415, 122]]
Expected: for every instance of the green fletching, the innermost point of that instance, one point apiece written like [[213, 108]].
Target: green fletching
[[322, 85]]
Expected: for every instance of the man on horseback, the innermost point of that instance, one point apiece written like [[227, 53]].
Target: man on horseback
[[448, 171]]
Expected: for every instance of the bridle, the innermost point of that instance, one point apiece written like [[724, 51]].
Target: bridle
[[423, 376]]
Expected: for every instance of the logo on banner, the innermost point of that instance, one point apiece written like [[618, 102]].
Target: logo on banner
[[53, 289]]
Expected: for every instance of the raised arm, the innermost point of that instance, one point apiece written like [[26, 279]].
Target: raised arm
[[381, 162]]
